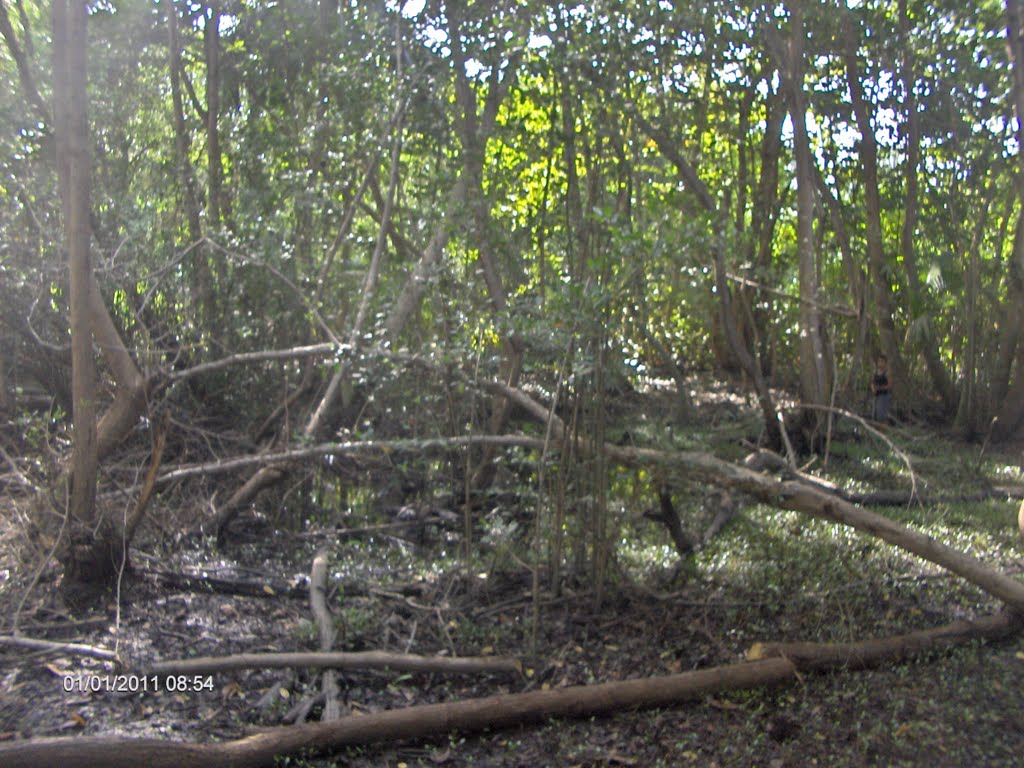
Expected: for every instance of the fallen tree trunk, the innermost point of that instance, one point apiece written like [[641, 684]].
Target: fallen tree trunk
[[796, 495], [800, 497], [399, 662], [775, 663], [867, 653], [413, 722]]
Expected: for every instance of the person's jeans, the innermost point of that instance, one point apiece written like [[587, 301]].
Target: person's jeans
[[881, 412]]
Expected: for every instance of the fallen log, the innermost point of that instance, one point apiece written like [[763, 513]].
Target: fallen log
[[399, 662], [778, 663], [796, 495], [868, 653], [430, 720], [775, 664]]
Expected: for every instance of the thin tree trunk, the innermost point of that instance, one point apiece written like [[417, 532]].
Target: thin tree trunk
[[474, 130], [868, 151], [941, 380], [69, 31], [21, 61], [814, 374], [1009, 403], [202, 283], [747, 359], [216, 169]]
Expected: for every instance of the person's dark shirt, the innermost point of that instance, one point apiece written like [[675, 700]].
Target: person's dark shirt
[[881, 383]]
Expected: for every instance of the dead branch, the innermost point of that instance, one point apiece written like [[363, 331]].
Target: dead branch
[[867, 653], [325, 623], [53, 645], [796, 495], [667, 515], [149, 484], [313, 350], [398, 662], [195, 582], [837, 309], [342, 449]]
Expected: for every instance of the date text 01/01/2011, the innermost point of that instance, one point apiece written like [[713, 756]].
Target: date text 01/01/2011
[[137, 683]]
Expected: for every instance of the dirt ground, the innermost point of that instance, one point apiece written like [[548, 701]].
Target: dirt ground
[[956, 709]]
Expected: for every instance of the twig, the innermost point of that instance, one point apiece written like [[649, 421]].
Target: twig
[[53, 645], [903, 457], [313, 350]]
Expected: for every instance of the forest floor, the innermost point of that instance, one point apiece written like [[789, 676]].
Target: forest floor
[[769, 576]]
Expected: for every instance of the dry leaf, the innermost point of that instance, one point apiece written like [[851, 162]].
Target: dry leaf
[[230, 691]]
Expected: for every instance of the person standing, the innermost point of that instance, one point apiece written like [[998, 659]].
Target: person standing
[[880, 390]]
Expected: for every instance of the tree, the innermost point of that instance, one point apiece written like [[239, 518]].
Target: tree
[[72, 129]]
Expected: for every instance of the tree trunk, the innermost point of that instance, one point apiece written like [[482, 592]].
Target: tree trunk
[[202, 282], [940, 377], [216, 170], [877, 267], [1010, 411], [474, 129], [69, 35], [814, 373], [747, 358]]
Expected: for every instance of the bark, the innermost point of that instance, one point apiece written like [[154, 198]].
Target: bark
[[397, 662], [425, 721], [878, 267], [130, 393], [765, 211]]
